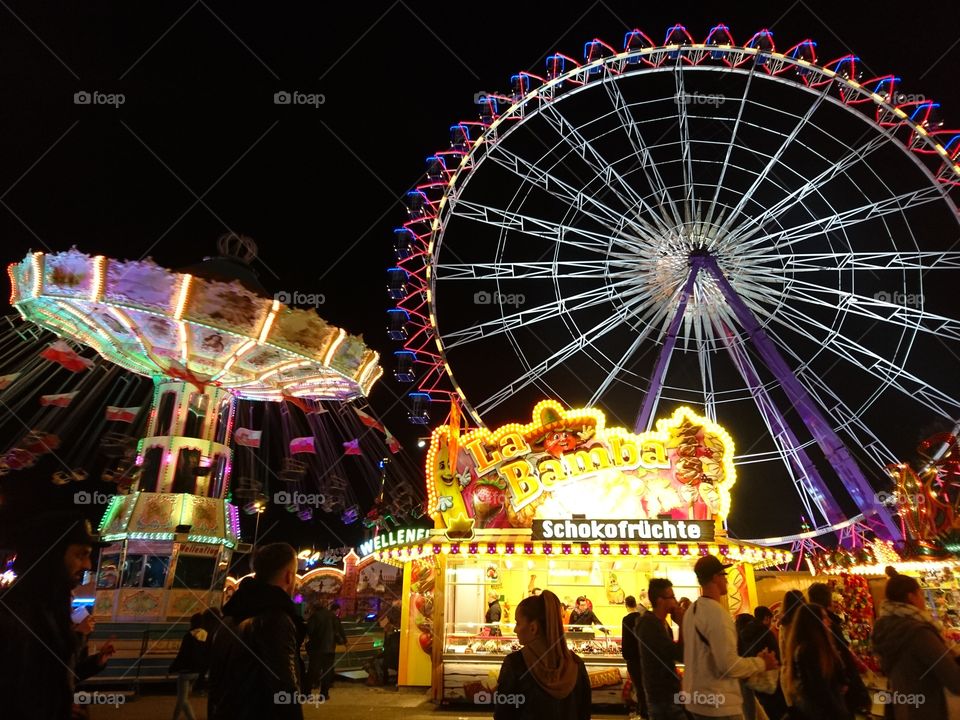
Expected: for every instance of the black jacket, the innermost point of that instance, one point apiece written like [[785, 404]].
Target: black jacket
[[756, 637], [40, 662], [324, 632], [630, 637], [193, 655], [255, 659], [659, 656], [587, 617], [532, 702]]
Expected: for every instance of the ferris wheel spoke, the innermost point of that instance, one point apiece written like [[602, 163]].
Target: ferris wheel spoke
[[869, 361], [640, 150], [531, 316], [535, 227], [865, 261], [574, 198], [686, 152], [601, 167], [704, 352], [620, 366], [730, 145], [895, 205], [541, 270], [753, 225], [775, 158], [558, 358], [882, 307]]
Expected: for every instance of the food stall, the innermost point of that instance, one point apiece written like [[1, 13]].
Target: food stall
[[565, 504]]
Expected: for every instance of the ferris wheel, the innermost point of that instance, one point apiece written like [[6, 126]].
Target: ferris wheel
[[753, 232]]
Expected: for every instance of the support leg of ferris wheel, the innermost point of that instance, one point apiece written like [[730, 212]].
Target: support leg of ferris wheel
[[811, 487], [645, 417], [805, 546], [833, 448]]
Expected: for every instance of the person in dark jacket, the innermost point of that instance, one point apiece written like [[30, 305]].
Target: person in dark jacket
[[544, 679], [913, 654], [324, 633], [814, 668], [190, 662], [493, 614], [630, 649], [659, 654], [41, 662], [255, 658], [756, 637], [821, 594], [583, 615]]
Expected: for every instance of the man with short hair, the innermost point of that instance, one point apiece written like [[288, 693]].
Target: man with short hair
[[821, 594], [583, 614], [324, 632], [630, 649], [712, 667], [42, 660], [255, 658], [659, 653]]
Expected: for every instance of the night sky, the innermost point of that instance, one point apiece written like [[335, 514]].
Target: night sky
[[199, 148]]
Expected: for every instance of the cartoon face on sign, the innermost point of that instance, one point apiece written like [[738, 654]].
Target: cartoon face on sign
[[568, 462]]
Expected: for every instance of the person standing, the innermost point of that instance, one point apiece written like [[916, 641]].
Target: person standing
[[544, 679], [494, 613], [630, 649], [758, 636], [712, 667], [255, 657], [189, 664], [40, 663], [912, 653], [821, 594], [583, 615], [818, 682], [324, 633], [659, 654]]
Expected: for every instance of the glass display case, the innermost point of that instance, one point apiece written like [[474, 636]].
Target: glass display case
[[942, 590]]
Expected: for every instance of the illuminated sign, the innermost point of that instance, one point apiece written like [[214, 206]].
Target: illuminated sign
[[623, 530], [403, 536], [567, 462]]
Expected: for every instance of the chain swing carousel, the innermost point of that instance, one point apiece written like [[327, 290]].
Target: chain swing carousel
[[207, 336]]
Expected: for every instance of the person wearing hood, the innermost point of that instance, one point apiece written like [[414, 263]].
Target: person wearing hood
[[255, 659], [913, 654], [544, 679], [190, 663], [41, 660]]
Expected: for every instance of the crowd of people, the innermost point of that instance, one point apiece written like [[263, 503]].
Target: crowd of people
[[749, 668]]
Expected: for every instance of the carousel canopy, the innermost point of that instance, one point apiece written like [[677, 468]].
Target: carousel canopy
[[156, 322]]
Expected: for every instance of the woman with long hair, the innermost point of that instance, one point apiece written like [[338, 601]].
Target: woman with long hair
[[813, 674], [544, 679]]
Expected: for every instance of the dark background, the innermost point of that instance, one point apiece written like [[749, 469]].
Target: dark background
[[199, 148]]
